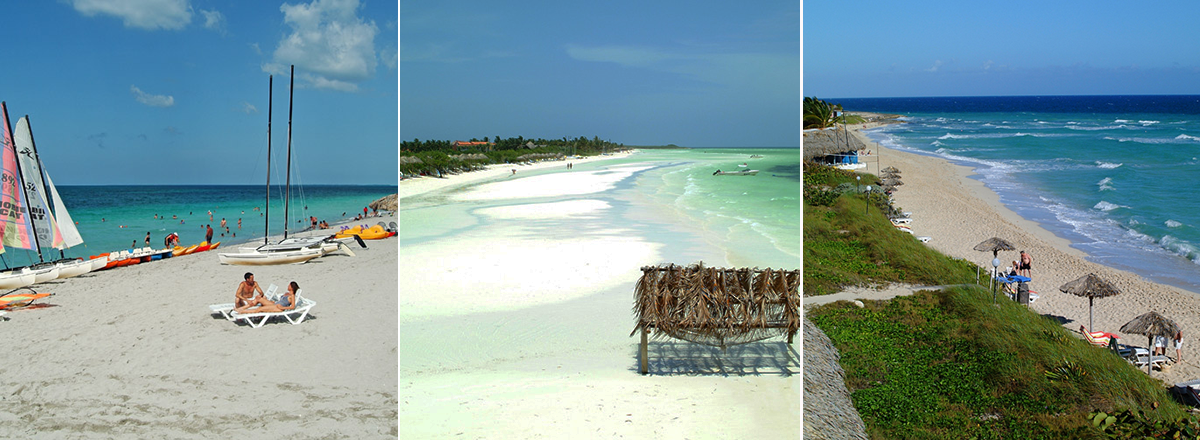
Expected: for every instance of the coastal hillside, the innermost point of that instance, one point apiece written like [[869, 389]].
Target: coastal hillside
[[952, 363]]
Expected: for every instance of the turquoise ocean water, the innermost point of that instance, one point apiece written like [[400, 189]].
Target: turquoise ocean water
[[754, 220], [1115, 175], [114, 217]]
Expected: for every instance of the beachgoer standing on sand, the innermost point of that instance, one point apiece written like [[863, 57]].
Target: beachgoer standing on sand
[[208, 233], [1179, 346], [1024, 267]]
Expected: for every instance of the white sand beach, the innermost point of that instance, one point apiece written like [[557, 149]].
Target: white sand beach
[[516, 328], [133, 352], [960, 212]]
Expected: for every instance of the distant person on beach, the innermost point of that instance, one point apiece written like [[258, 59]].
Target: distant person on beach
[[222, 222], [239, 223], [1179, 346], [147, 238], [208, 234], [244, 297], [1024, 267]]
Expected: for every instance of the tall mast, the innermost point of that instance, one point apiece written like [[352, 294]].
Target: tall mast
[[288, 192], [49, 202], [24, 191], [267, 221]]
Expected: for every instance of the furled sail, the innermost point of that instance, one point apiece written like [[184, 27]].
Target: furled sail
[[44, 225], [70, 233], [16, 230]]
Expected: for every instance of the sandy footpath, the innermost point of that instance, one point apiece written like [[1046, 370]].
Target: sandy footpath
[[960, 212], [134, 352], [518, 327]]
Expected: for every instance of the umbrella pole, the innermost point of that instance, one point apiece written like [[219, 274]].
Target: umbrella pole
[[1149, 364], [1091, 327]]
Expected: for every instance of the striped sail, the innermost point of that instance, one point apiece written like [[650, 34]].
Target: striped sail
[[44, 225], [70, 234], [16, 230]]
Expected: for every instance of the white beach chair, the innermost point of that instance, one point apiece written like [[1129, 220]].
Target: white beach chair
[[1157, 360], [294, 316], [227, 308]]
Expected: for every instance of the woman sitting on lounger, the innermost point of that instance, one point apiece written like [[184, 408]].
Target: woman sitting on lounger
[[286, 302]]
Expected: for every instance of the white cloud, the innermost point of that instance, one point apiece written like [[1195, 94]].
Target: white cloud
[[143, 14], [151, 100], [248, 108], [936, 65], [329, 41], [214, 20]]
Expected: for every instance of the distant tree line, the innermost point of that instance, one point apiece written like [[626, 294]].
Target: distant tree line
[[438, 157]]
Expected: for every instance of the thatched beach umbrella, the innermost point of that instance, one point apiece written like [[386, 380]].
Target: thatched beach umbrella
[[891, 170], [1151, 324], [995, 245], [891, 182], [1092, 287], [387, 203]]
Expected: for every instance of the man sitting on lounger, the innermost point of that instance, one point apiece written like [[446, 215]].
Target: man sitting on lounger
[[286, 302], [244, 296]]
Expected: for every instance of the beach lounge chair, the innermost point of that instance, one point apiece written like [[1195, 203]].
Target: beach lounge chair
[[294, 316], [1100, 339], [227, 308], [1157, 360]]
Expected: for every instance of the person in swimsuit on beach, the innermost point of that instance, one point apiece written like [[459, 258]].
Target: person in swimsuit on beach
[[285, 303], [1024, 267], [1179, 346], [244, 296]]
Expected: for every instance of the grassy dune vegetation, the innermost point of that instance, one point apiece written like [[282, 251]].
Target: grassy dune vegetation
[[950, 363]]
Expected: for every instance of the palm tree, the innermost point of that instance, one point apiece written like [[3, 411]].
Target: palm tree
[[819, 114]]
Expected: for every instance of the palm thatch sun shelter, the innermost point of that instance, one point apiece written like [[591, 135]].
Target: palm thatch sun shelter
[[715, 306]]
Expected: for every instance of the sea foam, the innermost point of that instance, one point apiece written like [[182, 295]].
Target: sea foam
[[1105, 206], [1107, 165], [1173, 224]]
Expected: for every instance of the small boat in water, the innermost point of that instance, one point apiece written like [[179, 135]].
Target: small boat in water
[[736, 173]]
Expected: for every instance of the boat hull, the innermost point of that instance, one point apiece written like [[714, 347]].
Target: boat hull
[[74, 269], [269, 258], [15, 280]]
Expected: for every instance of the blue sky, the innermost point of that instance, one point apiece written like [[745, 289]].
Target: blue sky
[[696, 74], [909, 49], [175, 91]]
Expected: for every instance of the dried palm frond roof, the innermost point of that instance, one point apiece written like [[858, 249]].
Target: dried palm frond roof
[[410, 159], [1151, 324], [891, 170], [717, 306], [994, 245], [1091, 286], [387, 203], [826, 142]]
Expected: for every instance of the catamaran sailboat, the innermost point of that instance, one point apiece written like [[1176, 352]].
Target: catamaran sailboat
[[33, 225], [289, 250]]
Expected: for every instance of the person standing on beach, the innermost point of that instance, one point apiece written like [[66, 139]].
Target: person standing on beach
[[1179, 346], [1024, 267], [208, 233]]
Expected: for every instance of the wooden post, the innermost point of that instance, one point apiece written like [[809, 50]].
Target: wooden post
[[790, 334], [644, 353]]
